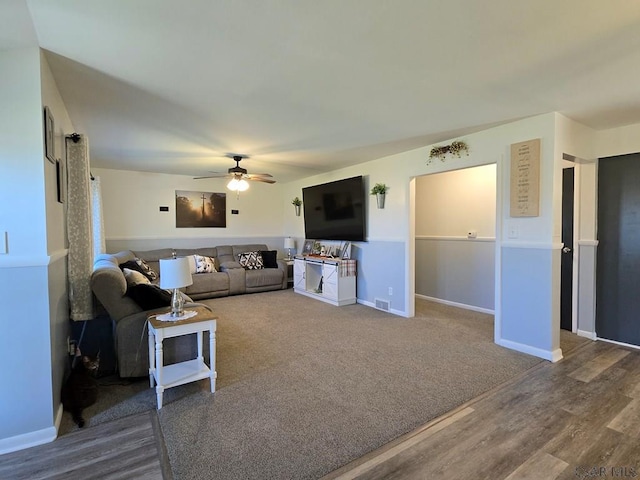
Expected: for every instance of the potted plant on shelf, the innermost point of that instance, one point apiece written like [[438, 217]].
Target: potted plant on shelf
[[296, 202], [379, 190]]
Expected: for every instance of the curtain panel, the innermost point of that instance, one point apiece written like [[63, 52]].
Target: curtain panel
[[79, 228]]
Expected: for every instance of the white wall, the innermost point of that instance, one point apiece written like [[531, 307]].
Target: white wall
[[450, 267], [56, 240], [32, 271], [617, 141], [133, 219]]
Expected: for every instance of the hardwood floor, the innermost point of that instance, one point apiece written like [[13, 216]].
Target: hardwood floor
[[578, 418], [123, 449]]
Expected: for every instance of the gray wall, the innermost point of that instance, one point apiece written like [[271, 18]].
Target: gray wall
[[456, 270]]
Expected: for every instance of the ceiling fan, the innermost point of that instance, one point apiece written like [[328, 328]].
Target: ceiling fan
[[239, 175]]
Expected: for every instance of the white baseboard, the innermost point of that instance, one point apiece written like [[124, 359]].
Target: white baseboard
[[27, 440], [587, 334], [552, 356], [391, 310], [32, 439], [456, 304]]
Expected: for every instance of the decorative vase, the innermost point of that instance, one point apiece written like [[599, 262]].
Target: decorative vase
[[380, 199], [297, 210]]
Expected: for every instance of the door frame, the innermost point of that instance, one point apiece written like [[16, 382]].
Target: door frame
[[569, 161]]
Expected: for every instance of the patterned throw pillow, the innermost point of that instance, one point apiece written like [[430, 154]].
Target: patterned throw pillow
[[251, 260], [142, 267], [205, 264]]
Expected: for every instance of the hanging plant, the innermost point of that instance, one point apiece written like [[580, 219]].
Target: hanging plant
[[296, 202], [379, 188], [457, 148]]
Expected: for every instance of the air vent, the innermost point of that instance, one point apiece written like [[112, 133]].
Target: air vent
[[382, 304]]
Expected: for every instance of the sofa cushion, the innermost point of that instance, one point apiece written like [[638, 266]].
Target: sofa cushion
[[142, 267], [269, 258], [251, 260], [208, 282], [264, 277], [149, 296]]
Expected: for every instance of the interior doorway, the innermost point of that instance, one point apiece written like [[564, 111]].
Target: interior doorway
[[454, 237], [566, 265], [618, 255]]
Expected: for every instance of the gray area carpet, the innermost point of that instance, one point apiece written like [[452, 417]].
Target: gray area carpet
[[305, 387]]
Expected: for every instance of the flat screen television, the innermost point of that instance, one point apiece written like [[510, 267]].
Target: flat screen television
[[335, 210]]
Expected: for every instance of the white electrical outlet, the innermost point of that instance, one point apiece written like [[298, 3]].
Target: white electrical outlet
[[390, 291]]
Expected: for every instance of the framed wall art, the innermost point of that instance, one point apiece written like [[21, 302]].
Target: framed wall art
[[49, 140], [61, 181], [307, 249], [201, 209]]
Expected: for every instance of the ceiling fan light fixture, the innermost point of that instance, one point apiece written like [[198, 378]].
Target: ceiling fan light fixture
[[236, 185]]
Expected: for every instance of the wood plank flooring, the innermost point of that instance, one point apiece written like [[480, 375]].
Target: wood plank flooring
[[578, 418], [123, 449]]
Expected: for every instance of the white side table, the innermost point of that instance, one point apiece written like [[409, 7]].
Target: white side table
[[167, 376]]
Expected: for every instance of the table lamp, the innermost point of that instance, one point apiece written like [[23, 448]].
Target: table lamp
[[175, 274], [289, 243]]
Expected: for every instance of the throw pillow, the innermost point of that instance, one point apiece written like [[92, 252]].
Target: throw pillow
[[149, 296], [251, 260], [269, 258], [205, 264], [142, 267], [134, 277]]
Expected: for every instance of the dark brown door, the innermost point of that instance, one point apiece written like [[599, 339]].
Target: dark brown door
[[618, 263], [566, 266]]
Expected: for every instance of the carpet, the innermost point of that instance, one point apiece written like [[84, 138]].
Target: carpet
[[305, 387]]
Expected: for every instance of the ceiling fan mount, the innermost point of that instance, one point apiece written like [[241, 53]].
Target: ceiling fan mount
[[240, 173], [238, 169]]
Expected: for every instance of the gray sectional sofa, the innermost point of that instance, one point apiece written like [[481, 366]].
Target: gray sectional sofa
[[110, 288]]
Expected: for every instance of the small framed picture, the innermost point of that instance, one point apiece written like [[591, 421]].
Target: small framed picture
[[49, 139], [345, 251], [307, 249]]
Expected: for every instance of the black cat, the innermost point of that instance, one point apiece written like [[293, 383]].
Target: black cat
[[81, 388]]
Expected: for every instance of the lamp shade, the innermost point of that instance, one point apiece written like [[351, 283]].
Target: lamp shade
[[175, 273], [289, 243]]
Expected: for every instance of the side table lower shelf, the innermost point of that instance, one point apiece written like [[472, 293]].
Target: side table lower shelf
[[168, 376], [183, 372]]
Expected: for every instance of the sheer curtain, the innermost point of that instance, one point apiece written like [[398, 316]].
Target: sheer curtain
[[79, 228], [97, 216]]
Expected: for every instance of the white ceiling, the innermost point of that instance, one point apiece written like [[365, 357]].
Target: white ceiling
[[304, 86]]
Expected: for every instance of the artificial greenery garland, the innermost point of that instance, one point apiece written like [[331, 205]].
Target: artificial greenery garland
[[457, 148]]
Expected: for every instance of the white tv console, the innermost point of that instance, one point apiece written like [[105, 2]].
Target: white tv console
[[319, 278]]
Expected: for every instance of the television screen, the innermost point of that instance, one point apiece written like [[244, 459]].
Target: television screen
[[335, 210]]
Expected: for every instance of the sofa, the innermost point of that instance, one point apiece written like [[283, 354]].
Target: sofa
[[110, 287]]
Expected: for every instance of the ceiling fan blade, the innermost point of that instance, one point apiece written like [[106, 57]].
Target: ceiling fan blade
[[260, 175], [218, 175], [264, 180]]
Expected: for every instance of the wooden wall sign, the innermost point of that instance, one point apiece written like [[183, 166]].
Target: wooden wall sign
[[525, 179]]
